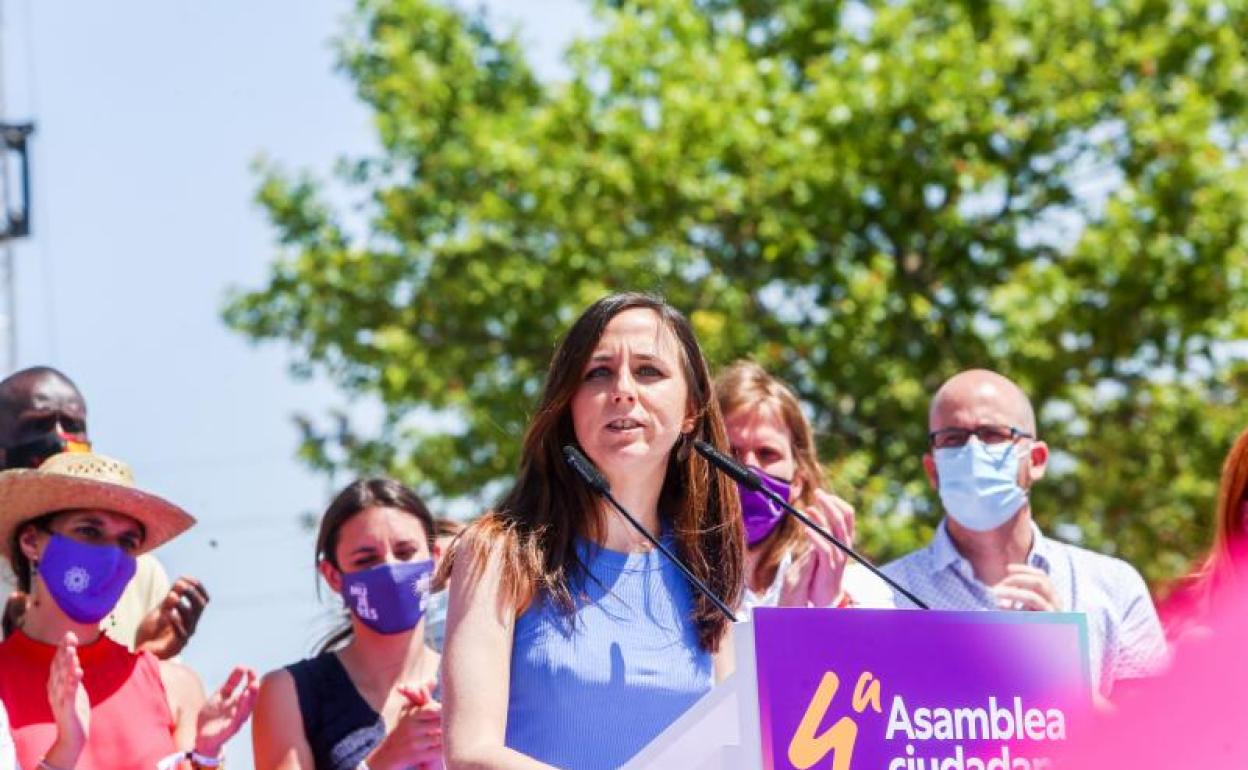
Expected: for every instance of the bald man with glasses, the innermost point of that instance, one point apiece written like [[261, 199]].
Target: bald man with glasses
[[984, 457]]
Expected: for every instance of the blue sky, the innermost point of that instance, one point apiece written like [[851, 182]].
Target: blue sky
[[148, 116]]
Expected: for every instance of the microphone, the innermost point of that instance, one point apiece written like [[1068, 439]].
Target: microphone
[[594, 479], [586, 470], [750, 480]]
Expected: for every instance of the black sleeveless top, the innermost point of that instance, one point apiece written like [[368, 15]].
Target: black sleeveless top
[[340, 726]]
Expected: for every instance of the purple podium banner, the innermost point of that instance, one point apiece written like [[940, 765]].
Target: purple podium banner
[[918, 690]]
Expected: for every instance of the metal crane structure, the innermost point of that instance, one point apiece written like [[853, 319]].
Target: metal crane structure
[[15, 202]]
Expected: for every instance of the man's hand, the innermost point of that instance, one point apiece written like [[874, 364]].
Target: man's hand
[[815, 579], [1027, 588], [166, 629]]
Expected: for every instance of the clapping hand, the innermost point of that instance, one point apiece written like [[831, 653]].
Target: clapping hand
[[71, 708], [1027, 588], [815, 580], [225, 711], [416, 741]]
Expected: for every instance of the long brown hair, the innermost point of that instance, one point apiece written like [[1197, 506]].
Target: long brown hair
[[747, 386], [1190, 599], [533, 529], [23, 568], [1229, 538], [358, 496], [1230, 542]]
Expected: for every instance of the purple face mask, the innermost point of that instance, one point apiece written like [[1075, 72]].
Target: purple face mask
[[85, 580], [389, 598], [761, 515]]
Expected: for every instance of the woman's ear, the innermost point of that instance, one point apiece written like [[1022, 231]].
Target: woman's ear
[[798, 486], [30, 542], [332, 576]]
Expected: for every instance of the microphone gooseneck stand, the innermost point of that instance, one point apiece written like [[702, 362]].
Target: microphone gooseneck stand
[[594, 479], [750, 480]]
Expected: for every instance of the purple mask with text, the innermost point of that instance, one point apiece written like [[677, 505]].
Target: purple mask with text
[[85, 581], [761, 515], [389, 598]]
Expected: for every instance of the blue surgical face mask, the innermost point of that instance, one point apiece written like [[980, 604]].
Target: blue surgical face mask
[[389, 598], [435, 619], [979, 484]]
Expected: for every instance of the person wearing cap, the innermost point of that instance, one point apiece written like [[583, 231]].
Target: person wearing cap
[[42, 413], [71, 531]]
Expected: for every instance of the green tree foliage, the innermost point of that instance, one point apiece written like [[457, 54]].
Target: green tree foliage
[[865, 197]]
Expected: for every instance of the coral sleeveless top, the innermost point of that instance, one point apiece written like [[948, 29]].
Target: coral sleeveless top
[[131, 724]]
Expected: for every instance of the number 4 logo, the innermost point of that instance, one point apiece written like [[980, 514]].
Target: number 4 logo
[[807, 748]]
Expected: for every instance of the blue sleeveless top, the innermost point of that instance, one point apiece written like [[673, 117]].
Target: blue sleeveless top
[[589, 691]]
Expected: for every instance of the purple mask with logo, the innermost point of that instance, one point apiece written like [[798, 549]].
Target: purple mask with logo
[[761, 515], [389, 598], [85, 580]]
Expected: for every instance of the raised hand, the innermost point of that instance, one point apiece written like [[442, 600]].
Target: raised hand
[[416, 741], [815, 579], [165, 630], [71, 709], [226, 710]]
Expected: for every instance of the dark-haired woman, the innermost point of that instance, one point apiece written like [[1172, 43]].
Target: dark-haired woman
[[570, 643], [366, 701]]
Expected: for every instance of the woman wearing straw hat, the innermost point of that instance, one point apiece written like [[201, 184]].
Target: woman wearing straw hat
[[71, 531]]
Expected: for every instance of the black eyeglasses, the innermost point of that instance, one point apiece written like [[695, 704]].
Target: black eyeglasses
[[953, 438]]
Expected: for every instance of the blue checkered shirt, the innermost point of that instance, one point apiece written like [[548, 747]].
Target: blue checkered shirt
[[1125, 639]]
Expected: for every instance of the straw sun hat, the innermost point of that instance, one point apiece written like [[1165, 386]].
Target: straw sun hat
[[84, 481]]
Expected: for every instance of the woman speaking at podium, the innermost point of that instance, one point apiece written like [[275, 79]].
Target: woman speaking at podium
[[570, 643]]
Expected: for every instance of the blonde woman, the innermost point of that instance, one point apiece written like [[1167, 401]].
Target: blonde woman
[[787, 565]]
